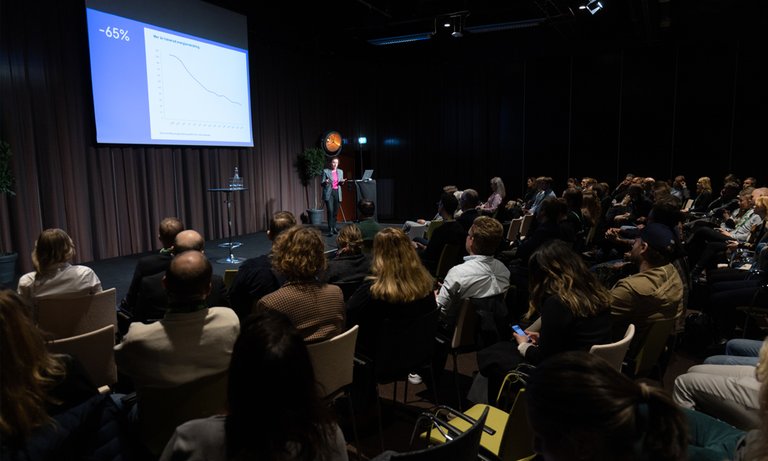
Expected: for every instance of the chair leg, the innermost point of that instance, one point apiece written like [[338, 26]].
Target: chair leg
[[456, 379], [434, 384], [378, 409], [354, 425]]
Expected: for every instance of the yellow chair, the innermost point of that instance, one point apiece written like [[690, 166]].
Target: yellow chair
[[67, 317], [229, 277], [506, 435], [431, 228], [654, 343]]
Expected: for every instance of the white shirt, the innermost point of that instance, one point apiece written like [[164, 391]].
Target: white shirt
[[479, 276], [62, 280]]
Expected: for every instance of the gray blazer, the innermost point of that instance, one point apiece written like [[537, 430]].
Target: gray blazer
[[328, 175]]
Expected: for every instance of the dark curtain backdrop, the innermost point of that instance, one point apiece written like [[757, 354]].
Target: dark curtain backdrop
[[530, 102]]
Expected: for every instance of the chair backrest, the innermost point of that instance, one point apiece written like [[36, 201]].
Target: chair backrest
[[514, 228], [333, 361], [517, 441], [416, 231], [527, 221], [688, 204], [466, 327], [653, 345], [162, 410], [229, 277], [348, 288], [449, 257], [614, 353], [432, 226], [404, 345], [463, 447], [67, 317], [94, 350]]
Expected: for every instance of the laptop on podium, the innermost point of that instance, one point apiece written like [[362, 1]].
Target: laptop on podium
[[367, 175]]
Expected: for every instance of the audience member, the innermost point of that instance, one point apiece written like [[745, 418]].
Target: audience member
[[480, 276], [54, 276], [154, 263], [152, 299], [495, 199], [655, 292], [49, 408], [468, 204], [680, 189], [368, 225], [276, 411], [573, 311], [192, 341], [703, 195], [255, 277], [581, 408], [315, 308], [448, 233], [544, 191], [727, 392], [350, 264], [399, 287], [755, 444]]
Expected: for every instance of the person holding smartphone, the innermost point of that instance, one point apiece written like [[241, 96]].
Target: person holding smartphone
[[572, 307]]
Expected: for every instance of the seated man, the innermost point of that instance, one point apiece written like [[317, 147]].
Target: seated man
[[255, 278], [367, 225], [449, 233], [652, 294], [152, 300], [192, 341], [468, 205], [154, 263]]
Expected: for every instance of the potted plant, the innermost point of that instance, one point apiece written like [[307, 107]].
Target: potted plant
[[7, 258], [309, 165]]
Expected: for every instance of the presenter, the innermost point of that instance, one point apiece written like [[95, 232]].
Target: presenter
[[333, 178]]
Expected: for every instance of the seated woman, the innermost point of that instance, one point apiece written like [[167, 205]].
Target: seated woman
[[275, 407], [573, 308], [37, 386], [349, 265], [496, 197], [315, 308], [600, 414], [399, 287], [54, 276]]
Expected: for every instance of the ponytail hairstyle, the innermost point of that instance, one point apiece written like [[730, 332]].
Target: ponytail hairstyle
[[583, 408]]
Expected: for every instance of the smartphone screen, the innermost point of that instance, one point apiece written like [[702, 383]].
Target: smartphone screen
[[519, 330]]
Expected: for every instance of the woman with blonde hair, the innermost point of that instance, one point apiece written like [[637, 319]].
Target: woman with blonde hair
[[315, 308], [54, 275], [36, 384], [703, 195], [399, 287], [496, 197]]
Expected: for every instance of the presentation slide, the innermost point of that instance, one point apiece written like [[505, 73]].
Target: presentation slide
[[155, 85]]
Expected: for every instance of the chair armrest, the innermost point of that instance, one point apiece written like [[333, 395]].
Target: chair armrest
[[452, 412]]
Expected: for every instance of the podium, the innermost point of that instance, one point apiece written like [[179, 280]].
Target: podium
[[231, 259], [366, 190]]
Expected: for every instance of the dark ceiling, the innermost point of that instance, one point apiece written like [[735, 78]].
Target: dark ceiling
[[348, 25]]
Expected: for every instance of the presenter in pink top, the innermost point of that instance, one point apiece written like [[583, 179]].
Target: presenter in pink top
[[333, 179]]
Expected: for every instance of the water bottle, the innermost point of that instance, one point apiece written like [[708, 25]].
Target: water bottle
[[235, 182]]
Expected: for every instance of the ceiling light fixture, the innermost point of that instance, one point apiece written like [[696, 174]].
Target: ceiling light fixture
[[593, 6]]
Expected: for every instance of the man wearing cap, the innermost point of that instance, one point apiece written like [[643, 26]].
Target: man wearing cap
[[655, 292]]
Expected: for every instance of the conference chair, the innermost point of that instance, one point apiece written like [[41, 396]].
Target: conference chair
[[63, 317], [161, 410], [463, 340], [461, 446], [95, 351], [431, 228], [449, 257], [614, 353], [653, 345], [526, 225], [333, 361], [514, 229]]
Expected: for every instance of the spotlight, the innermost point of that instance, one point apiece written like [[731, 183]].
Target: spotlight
[[593, 6], [362, 140]]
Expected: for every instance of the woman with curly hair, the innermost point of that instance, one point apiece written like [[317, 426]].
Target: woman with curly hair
[[315, 308], [54, 275], [400, 287], [580, 407], [498, 192]]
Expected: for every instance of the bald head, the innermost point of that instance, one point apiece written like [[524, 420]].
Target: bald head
[[188, 278], [188, 240]]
